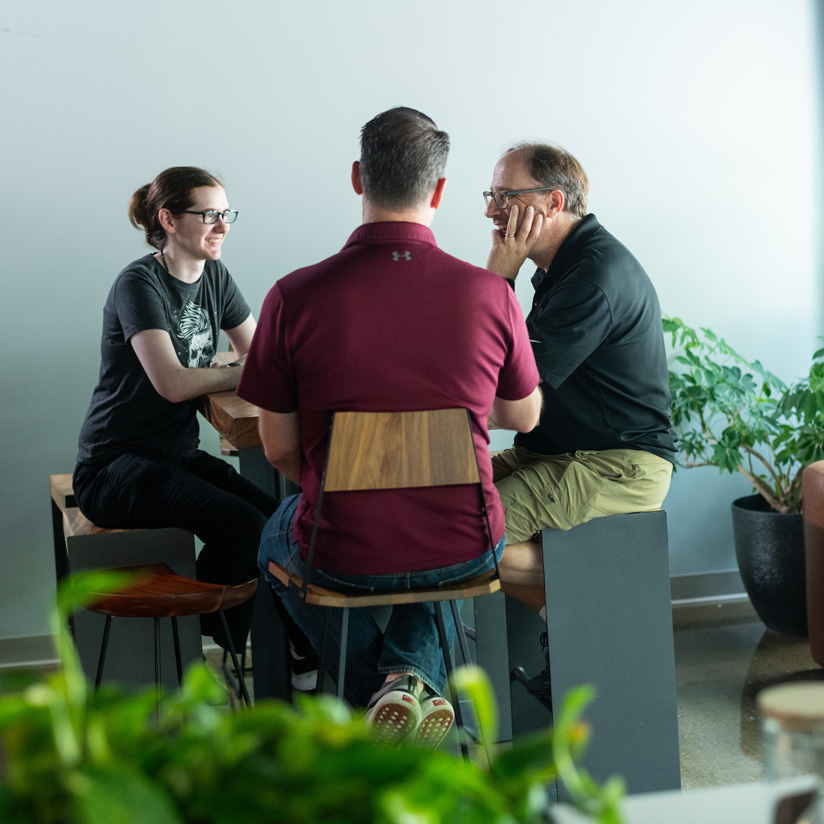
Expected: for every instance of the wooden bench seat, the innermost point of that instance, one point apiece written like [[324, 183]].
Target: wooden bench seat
[[62, 492]]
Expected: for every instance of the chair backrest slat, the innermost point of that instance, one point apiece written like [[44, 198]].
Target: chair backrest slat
[[400, 450]]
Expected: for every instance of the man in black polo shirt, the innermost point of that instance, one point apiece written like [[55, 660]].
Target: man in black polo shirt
[[604, 444]]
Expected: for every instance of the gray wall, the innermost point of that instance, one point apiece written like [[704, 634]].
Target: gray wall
[[698, 124]]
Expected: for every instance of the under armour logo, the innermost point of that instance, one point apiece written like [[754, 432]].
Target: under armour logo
[[402, 256]]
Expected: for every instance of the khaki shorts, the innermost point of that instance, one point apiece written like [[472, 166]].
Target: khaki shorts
[[561, 491]]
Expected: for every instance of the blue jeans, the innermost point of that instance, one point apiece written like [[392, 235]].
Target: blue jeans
[[410, 642]]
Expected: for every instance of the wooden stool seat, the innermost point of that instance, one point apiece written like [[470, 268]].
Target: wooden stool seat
[[161, 593], [62, 491], [158, 592], [812, 518], [484, 584]]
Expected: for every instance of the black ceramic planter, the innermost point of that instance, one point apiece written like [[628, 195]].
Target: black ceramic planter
[[769, 547]]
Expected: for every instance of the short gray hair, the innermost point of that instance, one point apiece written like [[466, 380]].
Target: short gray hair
[[403, 155]]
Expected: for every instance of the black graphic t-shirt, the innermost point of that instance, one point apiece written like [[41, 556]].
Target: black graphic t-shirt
[[126, 413]]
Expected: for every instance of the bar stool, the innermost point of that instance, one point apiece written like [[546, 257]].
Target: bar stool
[[160, 593]]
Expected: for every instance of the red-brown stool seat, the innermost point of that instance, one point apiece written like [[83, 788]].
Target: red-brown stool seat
[[161, 593], [158, 592]]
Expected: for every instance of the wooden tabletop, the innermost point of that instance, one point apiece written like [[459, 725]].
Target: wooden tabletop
[[234, 418]]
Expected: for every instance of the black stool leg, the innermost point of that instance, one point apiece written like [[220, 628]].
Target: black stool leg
[[103, 645], [178, 662], [439, 607], [459, 630], [323, 652], [157, 665], [229, 674], [344, 640], [235, 663]]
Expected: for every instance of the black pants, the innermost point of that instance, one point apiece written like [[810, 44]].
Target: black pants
[[202, 494]]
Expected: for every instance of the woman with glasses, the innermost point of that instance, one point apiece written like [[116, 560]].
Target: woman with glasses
[[139, 465]]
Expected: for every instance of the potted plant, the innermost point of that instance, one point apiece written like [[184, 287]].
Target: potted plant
[[71, 756], [733, 414]]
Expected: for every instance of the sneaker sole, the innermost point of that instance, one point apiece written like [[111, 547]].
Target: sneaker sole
[[394, 719], [435, 725]]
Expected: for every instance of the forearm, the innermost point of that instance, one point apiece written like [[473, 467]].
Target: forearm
[[170, 378], [288, 466], [521, 415], [183, 384], [280, 436]]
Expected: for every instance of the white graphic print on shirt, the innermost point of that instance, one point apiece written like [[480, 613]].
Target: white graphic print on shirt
[[195, 328]]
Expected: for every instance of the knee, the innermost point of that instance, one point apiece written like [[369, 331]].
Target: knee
[[523, 563]]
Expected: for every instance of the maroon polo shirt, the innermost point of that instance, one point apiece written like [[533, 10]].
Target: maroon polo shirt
[[391, 323]]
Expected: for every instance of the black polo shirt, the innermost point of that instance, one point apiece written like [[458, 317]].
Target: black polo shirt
[[595, 328]]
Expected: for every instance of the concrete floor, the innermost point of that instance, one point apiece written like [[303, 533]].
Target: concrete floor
[[723, 657], [719, 671]]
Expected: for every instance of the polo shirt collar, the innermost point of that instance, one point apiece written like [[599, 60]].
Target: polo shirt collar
[[573, 242], [389, 232], [569, 250]]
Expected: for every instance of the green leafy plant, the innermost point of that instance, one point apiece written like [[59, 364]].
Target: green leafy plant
[[72, 756], [732, 413]]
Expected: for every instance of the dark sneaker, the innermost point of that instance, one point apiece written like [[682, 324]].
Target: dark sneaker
[[540, 685], [394, 712], [304, 669], [437, 716]]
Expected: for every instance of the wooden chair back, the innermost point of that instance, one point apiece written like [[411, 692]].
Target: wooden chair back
[[397, 450], [400, 450]]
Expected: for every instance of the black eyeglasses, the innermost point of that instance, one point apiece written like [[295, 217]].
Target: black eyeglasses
[[501, 198], [212, 215]]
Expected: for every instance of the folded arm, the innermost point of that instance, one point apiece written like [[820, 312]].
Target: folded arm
[[175, 382]]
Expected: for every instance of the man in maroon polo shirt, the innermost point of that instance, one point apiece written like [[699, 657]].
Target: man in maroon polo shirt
[[390, 323]]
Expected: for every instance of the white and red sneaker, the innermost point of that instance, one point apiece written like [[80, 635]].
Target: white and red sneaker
[[394, 711], [437, 716]]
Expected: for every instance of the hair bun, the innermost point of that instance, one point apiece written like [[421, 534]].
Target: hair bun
[[138, 208]]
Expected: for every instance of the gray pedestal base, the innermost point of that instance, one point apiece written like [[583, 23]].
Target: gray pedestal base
[[609, 624]]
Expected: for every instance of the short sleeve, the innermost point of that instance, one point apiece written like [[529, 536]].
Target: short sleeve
[[519, 375], [568, 328], [235, 308], [268, 379], [138, 304]]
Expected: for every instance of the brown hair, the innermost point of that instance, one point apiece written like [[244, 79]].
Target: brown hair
[[550, 165], [170, 190]]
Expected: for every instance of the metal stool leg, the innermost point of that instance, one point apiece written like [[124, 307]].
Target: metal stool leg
[[323, 652], [178, 661], [157, 652], [461, 633], [103, 646], [157, 666], [447, 659], [241, 679], [229, 674], [344, 640]]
